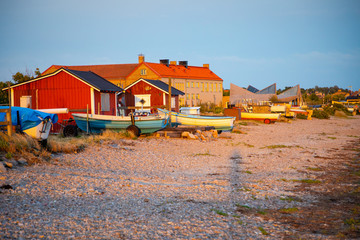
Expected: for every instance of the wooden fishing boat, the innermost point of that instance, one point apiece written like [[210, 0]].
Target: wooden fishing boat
[[36, 124], [95, 123], [265, 117], [219, 123], [299, 111]]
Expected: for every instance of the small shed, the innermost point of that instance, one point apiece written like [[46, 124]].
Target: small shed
[[79, 91], [149, 95]]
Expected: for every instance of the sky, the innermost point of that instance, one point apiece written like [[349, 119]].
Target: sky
[[254, 42]]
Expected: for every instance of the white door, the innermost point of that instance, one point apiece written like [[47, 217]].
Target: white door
[[25, 101]]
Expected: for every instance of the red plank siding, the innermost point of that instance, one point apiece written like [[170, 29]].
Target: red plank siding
[[61, 91], [156, 95]]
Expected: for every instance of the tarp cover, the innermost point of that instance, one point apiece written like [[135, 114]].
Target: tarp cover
[[28, 118]]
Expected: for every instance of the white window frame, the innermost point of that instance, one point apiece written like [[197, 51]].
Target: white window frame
[[146, 97]]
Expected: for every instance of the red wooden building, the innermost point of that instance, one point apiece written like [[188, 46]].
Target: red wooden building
[[65, 88], [151, 94]]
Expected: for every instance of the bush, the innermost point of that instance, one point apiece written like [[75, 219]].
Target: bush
[[301, 116], [320, 114], [210, 108], [336, 107]]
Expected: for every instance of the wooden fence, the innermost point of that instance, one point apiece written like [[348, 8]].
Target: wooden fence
[[8, 121]]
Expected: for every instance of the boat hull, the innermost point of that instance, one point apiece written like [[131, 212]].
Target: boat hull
[[99, 123], [41, 131], [219, 123], [272, 117]]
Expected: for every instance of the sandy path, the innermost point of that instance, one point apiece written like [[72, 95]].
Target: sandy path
[[176, 189]]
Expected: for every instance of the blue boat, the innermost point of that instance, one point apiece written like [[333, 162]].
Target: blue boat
[[95, 123], [35, 123]]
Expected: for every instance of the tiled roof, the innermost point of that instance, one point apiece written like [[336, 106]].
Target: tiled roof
[[158, 84], [164, 87], [88, 77], [107, 71], [179, 71], [121, 71], [95, 80]]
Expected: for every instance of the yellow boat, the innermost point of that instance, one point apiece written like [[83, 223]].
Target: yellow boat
[[219, 123], [265, 117]]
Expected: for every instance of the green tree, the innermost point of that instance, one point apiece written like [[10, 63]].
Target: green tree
[[314, 98], [20, 77], [4, 99], [17, 78], [273, 99], [338, 97]]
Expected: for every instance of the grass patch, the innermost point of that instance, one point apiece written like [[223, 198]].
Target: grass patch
[[203, 154], [248, 145], [245, 189], [242, 206], [316, 169], [283, 180], [352, 222], [248, 172], [245, 144], [277, 146], [57, 144], [290, 199], [220, 212], [8, 155], [288, 210], [263, 231], [22, 145], [332, 137], [310, 181], [281, 146], [262, 212]]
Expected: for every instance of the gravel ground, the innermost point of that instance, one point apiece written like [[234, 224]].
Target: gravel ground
[[157, 188]]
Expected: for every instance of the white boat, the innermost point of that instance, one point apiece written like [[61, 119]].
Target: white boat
[[96, 123], [219, 123]]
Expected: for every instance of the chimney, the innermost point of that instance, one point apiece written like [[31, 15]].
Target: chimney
[[206, 65], [183, 63], [141, 58], [165, 62], [172, 62]]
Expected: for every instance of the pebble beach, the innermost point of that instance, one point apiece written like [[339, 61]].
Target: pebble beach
[[160, 188]]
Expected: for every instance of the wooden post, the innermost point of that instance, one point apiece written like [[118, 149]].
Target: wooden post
[[99, 108], [87, 118], [8, 114], [169, 107]]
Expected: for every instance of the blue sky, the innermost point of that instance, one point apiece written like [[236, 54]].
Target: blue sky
[[257, 42]]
